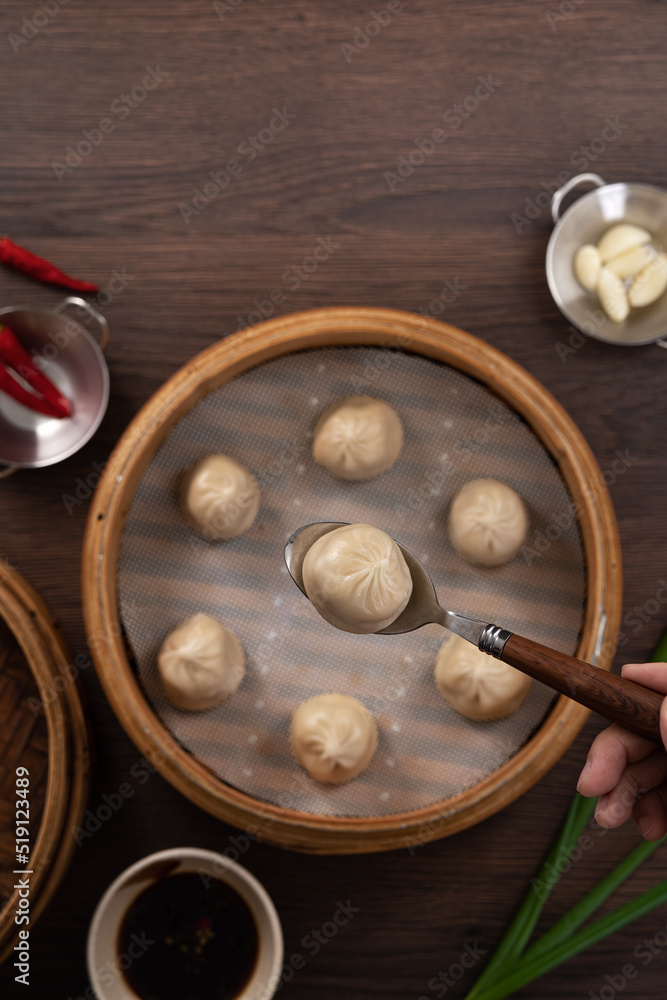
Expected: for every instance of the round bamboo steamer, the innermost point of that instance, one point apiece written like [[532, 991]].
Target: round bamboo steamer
[[34, 665], [207, 372]]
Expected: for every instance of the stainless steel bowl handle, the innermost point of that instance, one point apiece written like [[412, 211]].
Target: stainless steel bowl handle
[[573, 182], [102, 325]]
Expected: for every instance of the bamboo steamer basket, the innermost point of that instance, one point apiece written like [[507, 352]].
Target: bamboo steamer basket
[[208, 371], [52, 742]]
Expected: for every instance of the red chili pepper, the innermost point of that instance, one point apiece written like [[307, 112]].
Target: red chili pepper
[[38, 268], [46, 398]]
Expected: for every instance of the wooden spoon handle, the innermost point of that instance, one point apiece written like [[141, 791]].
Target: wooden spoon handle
[[631, 705]]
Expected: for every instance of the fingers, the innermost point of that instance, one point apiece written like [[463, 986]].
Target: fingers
[[650, 813], [653, 675], [611, 752], [628, 772], [637, 779]]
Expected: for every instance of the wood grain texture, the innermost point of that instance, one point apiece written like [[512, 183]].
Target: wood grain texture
[[187, 286], [616, 698]]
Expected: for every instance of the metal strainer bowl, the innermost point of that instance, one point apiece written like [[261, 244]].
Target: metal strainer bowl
[[584, 222]]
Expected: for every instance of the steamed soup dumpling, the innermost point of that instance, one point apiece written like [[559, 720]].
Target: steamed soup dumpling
[[358, 437], [200, 663], [488, 522], [333, 736], [357, 578], [219, 498], [478, 685]]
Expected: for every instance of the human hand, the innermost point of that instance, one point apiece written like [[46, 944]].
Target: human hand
[[628, 772]]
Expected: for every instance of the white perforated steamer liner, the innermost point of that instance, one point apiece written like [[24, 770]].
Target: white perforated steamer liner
[[455, 430]]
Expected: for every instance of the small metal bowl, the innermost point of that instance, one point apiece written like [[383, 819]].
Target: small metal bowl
[[71, 357], [584, 222]]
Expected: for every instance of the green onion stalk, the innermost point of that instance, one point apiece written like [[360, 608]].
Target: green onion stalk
[[514, 963]]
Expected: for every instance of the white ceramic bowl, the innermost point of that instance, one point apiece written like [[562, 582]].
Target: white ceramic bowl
[[104, 963]]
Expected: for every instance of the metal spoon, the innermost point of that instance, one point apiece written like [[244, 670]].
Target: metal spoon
[[631, 705]]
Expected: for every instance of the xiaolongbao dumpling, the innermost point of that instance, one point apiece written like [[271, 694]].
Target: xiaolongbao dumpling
[[357, 578], [219, 497], [488, 522], [358, 438], [478, 685], [201, 663], [333, 736]]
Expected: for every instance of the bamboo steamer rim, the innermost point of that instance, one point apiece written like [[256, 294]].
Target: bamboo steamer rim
[[345, 326], [28, 620]]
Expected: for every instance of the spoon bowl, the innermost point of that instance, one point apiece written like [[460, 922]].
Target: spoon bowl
[[422, 608], [631, 705]]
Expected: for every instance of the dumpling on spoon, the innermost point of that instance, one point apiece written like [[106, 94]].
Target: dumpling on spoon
[[488, 522], [357, 578]]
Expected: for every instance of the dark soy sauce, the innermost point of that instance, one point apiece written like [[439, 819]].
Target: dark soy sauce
[[204, 940]]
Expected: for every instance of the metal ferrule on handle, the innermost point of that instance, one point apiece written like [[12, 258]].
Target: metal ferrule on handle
[[493, 639]]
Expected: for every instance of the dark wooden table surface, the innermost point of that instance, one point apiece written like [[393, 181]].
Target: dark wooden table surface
[[575, 86]]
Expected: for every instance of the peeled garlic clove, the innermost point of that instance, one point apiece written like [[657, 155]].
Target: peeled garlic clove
[[587, 266], [650, 283], [631, 261], [611, 292], [620, 238]]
